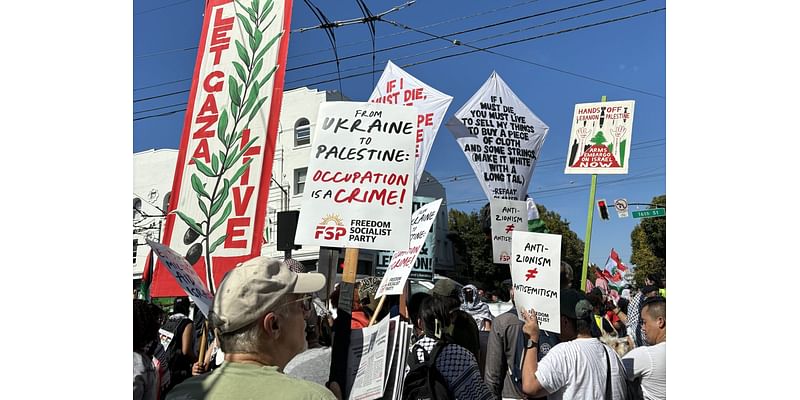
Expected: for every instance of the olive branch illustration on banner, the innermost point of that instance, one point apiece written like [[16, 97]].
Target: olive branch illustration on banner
[[244, 106]]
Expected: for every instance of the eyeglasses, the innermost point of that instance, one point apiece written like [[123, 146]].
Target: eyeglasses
[[306, 302]]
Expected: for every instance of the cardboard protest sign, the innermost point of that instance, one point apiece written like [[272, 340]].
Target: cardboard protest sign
[[501, 138], [423, 267], [600, 138], [404, 260], [219, 194], [360, 177], [507, 216], [536, 275], [185, 275], [399, 87]]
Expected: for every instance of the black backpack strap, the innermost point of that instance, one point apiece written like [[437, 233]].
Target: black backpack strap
[[608, 373], [435, 352]]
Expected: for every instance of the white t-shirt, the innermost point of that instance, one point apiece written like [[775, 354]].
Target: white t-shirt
[[649, 363], [577, 370]]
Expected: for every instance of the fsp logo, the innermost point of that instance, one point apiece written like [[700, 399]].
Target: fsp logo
[[330, 231], [504, 256]]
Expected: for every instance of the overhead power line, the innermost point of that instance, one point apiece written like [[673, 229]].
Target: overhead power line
[[475, 49], [162, 7], [449, 34], [458, 43], [449, 21], [499, 45]]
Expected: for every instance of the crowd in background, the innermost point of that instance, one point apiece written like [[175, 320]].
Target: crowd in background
[[269, 335]]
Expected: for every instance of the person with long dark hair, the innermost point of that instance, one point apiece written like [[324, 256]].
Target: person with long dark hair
[[458, 366], [146, 321]]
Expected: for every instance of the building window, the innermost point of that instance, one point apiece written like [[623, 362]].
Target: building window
[[135, 247], [302, 132], [299, 180]]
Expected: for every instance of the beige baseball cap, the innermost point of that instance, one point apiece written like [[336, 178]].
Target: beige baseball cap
[[255, 287]]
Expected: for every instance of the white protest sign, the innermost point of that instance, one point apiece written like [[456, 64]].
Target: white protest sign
[[501, 138], [600, 140], [536, 276], [185, 275], [366, 364], [423, 267], [399, 87], [402, 262], [507, 216], [360, 179]]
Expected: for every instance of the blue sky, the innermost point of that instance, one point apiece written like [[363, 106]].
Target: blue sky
[[567, 63]]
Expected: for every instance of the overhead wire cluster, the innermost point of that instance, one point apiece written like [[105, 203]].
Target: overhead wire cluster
[[370, 19]]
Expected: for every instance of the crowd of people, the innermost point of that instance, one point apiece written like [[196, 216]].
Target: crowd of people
[[268, 335]]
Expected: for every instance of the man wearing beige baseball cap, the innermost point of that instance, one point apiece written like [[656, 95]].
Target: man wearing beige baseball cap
[[258, 314]]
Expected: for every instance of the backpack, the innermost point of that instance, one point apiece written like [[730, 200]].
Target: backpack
[[423, 380], [174, 364]]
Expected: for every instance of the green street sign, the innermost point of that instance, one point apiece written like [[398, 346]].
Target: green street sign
[[653, 212]]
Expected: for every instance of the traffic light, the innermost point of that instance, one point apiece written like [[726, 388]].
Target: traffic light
[[601, 205]]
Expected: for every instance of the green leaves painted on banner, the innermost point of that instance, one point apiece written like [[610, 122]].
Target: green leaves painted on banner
[[268, 46], [257, 68], [269, 75], [232, 157], [255, 110], [222, 125], [203, 168], [222, 219], [251, 98], [197, 185], [242, 53], [257, 42], [202, 206], [267, 9], [233, 91], [189, 221], [240, 71], [241, 170], [245, 89], [245, 24], [214, 163], [218, 242], [223, 196]]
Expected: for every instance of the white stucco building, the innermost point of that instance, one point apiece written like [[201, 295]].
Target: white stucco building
[[154, 171]]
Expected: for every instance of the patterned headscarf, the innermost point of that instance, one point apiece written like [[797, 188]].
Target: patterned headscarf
[[368, 287], [295, 266], [477, 309]]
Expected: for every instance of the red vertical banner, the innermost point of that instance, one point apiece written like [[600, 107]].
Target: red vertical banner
[[222, 177]]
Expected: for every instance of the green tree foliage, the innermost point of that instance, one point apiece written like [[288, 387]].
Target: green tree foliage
[[649, 244], [472, 240], [571, 245], [473, 252]]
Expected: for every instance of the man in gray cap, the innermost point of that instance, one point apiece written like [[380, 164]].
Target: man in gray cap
[[258, 314], [581, 366]]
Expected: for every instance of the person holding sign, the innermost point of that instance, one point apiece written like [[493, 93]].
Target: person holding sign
[[556, 376], [258, 313]]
